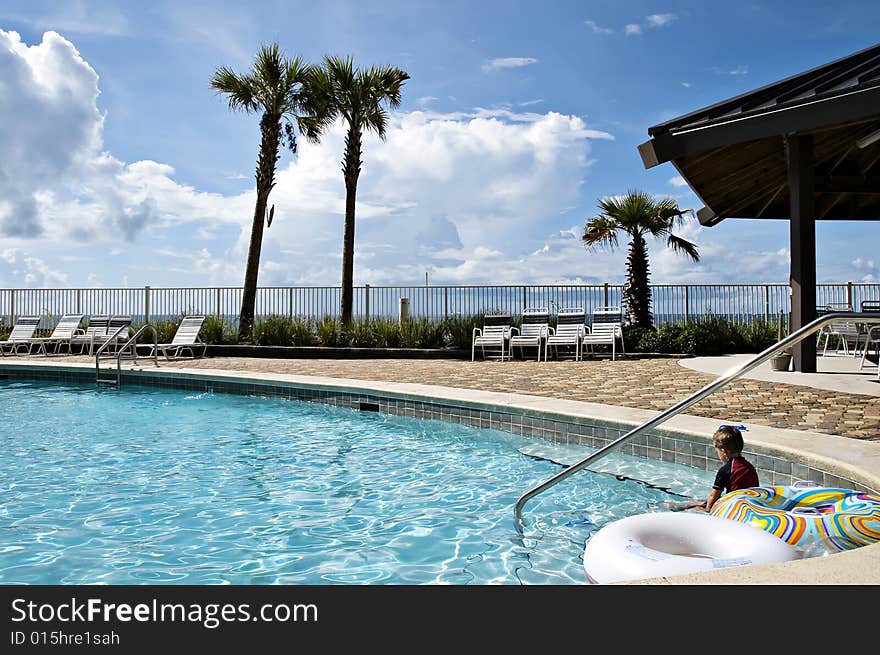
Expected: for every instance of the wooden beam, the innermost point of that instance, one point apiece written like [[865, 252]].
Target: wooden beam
[[848, 184], [770, 200], [803, 246], [802, 117]]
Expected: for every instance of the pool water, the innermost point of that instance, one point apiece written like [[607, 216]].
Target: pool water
[[154, 486]]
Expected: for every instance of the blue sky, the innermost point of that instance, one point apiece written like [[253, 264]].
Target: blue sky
[[121, 167]]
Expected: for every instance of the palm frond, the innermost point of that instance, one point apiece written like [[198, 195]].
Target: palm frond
[[240, 89], [600, 231], [683, 246]]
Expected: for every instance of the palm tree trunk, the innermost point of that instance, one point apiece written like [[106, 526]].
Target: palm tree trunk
[[637, 290], [271, 135], [352, 170]]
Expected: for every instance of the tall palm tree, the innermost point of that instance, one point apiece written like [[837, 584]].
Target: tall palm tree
[[357, 95], [638, 214], [277, 87]]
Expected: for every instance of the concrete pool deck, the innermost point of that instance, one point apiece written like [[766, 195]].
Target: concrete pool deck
[[548, 387]]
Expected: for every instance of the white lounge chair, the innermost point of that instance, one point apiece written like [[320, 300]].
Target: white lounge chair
[[62, 333], [607, 329], [21, 336], [569, 331], [534, 331], [186, 338], [494, 334], [100, 330], [96, 329]]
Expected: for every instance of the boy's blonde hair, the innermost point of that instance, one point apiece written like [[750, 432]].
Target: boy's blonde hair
[[729, 439]]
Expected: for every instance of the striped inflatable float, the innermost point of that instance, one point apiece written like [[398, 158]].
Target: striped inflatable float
[[806, 515]]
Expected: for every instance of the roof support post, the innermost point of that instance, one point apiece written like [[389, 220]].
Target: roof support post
[[803, 245]]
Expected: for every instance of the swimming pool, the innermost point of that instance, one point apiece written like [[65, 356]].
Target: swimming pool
[[156, 486]]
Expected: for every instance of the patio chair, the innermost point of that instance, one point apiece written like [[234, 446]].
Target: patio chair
[[186, 338], [569, 331], [534, 331], [494, 334], [62, 333], [872, 341], [606, 329], [21, 335], [846, 333]]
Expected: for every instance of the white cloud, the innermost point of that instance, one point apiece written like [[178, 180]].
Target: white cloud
[[652, 21], [737, 72], [508, 62], [597, 29], [425, 100], [686, 85], [659, 20], [529, 103], [678, 181]]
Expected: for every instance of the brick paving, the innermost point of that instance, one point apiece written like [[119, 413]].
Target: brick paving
[[640, 383]]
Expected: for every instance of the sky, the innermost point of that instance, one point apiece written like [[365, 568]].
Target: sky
[[120, 165]]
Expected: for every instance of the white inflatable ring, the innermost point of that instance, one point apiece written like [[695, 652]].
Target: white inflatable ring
[[673, 543]]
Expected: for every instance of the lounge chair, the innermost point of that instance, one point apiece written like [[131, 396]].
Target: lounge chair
[[186, 338], [62, 333], [534, 331], [569, 331], [100, 330], [494, 334], [21, 336], [606, 329], [96, 331]]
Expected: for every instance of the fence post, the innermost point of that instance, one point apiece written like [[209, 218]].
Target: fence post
[[524, 296], [79, 301], [12, 307], [146, 304], [849, 296], [445, 302], [218, 302], [290, 301], [687, 303], [766, 303], [605, 290], [367, 301]]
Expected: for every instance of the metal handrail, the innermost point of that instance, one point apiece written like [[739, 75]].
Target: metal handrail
[[119, 353], [726, 378]]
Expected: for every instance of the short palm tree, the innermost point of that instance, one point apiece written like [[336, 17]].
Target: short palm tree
[[638, 214], [357, 95], [277, 87]]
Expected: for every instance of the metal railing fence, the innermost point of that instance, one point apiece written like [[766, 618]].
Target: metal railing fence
[[671, 303]]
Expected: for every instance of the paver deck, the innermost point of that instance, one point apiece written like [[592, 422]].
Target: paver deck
[[640, 383]]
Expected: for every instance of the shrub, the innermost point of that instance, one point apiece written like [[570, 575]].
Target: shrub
[[329, 332], [459, 330], [282, 331], [706, 336], [360, 334], [217, 331], [387, 332]]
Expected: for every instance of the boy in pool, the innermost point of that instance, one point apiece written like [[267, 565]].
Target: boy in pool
[[736, 471]]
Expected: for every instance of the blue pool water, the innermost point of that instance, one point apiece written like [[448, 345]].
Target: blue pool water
[[147, 486]]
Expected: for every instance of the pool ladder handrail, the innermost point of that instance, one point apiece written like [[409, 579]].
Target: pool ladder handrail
[[132, 342], [725, 379]]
